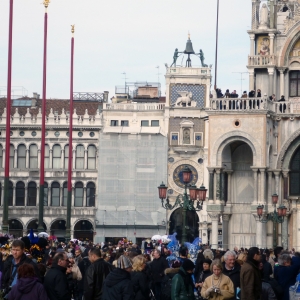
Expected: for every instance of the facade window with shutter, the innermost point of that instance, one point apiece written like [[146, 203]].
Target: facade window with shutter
[[66, 162], [90, 194], [79, 194], [32, 193], [79, 162], [47, 156], [56, 160], [21, 157], [55, 194], [20, 193], [33, 157], [91, 159]]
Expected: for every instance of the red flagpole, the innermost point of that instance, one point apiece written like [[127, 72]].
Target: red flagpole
[[69, 201], [216, 54], [5, 227], [42, 161]]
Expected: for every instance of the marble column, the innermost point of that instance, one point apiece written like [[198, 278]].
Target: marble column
[[271, 35], [285, 174], [62, 155], [222, 187], [218, 186], [225, 219], [214, 230], [270, 174], [27, 159], [61, 197], [259, 232], [15, 159], [39, 158], [294, 228], [73, 159], [211, 185], [14, 195], [84, 202], [26, 196], [252, 44], [37, 194], [229, 192], [85, 160], [284, 229], [3, 158], [271, 80], [50, 159], [251, 79], [2, 193], [282, 88], [262, 185], [255, 187], [277, 174], [204, 235]]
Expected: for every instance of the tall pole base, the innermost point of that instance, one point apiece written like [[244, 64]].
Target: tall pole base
[[68, 224], [5, 226], [41, 209]]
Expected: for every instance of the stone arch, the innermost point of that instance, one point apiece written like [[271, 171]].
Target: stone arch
[[18, 219], [55, 220], [84, 219], [292, 39], [287, 151], [233, 136]]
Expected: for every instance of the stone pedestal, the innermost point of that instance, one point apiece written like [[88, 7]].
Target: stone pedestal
[[214, 230], [225, 219]]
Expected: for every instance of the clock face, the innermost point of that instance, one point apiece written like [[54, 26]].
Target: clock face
[[178, 176]]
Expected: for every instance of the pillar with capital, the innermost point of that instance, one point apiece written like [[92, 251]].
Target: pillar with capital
[[251, 79], [214, 229], [225, 219], [271, 80], [259, 232], [282, 87], [211, 185], [203, 231], [271, 35], [218, 185], [255, 187], [252, 44], [229, 192]]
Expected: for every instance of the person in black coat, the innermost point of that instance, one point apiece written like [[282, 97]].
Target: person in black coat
[[157, 267], [140, 279], [55, 282], [232, 269], [199, 280], [13, 262], [95, 275], [118, 284]]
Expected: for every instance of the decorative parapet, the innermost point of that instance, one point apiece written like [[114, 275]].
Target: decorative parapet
[[52, 119], [241, 104], [134, 106], [261, 60], [189, 71]]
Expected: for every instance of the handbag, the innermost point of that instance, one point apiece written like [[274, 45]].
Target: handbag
[[294, 295]]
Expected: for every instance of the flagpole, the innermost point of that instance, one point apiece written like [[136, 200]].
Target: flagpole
[[69, 199], [217, 37], [42, 161], [5, 226]]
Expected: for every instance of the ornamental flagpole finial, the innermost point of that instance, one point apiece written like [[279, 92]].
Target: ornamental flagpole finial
[[46, 3], [189, 36], [73, 28]]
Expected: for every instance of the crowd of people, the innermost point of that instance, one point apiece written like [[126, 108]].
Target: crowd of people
[[127, 271]]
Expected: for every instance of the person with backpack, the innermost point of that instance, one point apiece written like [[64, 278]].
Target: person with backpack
[[167, 280], [182, 282], [140, 279]]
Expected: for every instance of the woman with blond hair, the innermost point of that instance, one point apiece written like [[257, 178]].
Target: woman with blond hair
[[140, 279], [217, 286]]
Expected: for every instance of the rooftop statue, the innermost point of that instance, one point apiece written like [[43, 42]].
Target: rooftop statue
[[201, 55], [175, 56], [264, 17]]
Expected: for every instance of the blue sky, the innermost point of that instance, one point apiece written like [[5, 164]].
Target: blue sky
[[112, 37]]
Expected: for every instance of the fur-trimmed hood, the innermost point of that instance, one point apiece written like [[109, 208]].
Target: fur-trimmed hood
[[171, 271]]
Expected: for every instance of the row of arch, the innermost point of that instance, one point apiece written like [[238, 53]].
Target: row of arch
[[82, 229], [55, 194], [55, 158]]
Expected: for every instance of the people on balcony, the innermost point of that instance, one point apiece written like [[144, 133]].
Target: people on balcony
[[251, 94], [282, 107], [258, 93], [227, 94], [219, 93]]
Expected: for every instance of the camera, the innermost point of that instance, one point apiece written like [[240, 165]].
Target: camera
[[216, 290]]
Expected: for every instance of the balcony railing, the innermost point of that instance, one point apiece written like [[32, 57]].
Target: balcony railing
[[261, 60], [287, 107], [241, 104], [133, 106]]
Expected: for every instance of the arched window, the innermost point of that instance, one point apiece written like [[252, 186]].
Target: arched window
[[90, 194], [65, 194], [10, 193], [47, 156], [11, 156], [91, 161], [46, 189], [294, 83], [21, 157], [32, 193], [66, 163], [79, 194], [20, 193], [79, 163], [56, 161], [1, 156], [55, 194], [33, 157]]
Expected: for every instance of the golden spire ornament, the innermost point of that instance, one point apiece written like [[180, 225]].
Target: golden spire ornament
[[73, 29], [46, 3]]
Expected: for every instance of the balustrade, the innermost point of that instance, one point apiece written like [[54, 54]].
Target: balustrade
[[261, 60]]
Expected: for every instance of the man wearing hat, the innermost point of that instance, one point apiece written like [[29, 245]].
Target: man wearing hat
[[118, 285], [182, 282]]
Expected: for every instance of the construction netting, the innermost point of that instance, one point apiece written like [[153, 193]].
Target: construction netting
[[131, 166]]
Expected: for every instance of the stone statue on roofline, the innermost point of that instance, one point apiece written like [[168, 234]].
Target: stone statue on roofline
[[201, 55], [175, 56]]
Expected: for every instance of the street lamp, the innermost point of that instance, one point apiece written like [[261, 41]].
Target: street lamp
[[276, 217], [187, 202]]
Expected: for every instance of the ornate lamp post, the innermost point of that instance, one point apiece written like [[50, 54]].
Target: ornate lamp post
[[193, 201], [276, 216]]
